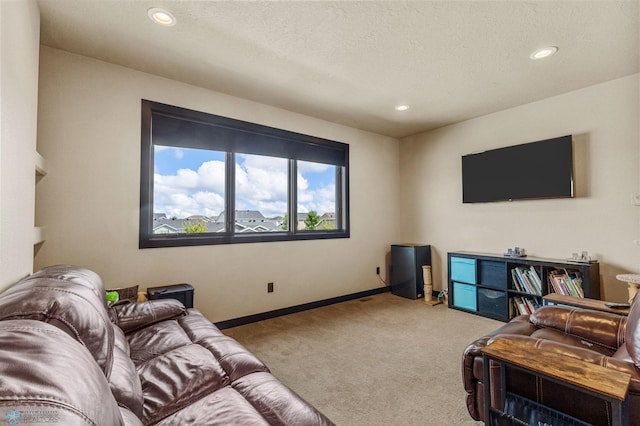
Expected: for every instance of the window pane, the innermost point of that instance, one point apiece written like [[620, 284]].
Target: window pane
[[188, 190], [316, 196], [261, 193], [236, 181]]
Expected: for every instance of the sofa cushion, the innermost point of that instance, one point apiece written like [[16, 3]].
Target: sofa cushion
[[234, 358], [48, 377], [221, 408], [191, 373], [550, 334], [600, 328], [123, 379], [178, 378], [132, 316], [276, 403], [129, 418], [71, 298], [73, 274], [174, 372], [120, 340], [155, 340], [125, 383]]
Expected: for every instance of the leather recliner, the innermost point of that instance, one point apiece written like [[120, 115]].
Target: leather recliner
[[602, 338], [68, 358]]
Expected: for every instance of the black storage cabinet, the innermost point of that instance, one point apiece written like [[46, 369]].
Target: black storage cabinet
[[406, 277], [181, 292]]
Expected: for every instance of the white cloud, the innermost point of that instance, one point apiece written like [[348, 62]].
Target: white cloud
[[181, 205], [308, 167], [189, 192], [211, 176], [210, 203], [261, 184], [303, 184], [184, 179], [321, 200]]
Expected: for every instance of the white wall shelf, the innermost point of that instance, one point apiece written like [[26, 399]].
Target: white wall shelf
[[39, 234], [41, 165], [41, 171]]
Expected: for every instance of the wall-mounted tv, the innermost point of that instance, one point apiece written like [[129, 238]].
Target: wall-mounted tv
[[542, 169]]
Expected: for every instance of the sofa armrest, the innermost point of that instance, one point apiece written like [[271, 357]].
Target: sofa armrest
[[471, 369], [133, 316], [603, 328]]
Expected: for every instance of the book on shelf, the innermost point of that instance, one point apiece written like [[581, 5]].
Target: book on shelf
[[520, 308], [524, 305], [567, 283], [526, 280]]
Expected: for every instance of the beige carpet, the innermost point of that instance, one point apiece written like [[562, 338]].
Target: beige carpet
[[380, 360]]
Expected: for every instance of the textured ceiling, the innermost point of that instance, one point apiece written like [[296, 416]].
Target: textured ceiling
[[351, 62]]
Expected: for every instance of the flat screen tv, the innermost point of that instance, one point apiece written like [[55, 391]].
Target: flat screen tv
[[542, 169]]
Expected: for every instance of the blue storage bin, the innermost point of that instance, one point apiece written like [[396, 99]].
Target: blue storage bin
[[463, 270], [464, 296]]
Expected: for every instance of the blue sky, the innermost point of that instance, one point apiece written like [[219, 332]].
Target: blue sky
[[190, 181], [169, 160]]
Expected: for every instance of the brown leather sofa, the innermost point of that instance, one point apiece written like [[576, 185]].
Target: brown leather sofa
[[66, 358], [606, 339]]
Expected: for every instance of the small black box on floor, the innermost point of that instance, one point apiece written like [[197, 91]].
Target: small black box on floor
[[181, 292], [405, 271]]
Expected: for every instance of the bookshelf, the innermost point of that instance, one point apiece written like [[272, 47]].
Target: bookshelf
[[500, 287]]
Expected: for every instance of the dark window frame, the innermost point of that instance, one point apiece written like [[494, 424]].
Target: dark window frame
[[168, 125]]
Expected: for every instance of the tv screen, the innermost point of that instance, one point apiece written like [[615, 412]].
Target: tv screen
[[542, 169]]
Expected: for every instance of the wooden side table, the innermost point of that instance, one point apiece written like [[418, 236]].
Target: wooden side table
[[593, 379], [633, 280], [582, 302]]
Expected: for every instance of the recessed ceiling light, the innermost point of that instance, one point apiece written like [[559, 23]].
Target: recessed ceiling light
[[402, 107], [544, 52], [161, 16]]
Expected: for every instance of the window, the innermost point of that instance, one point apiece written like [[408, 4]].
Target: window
[[316, 196], [207, 179]]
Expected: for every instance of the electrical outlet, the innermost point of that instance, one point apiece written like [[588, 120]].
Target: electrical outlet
[[269, 287], [377, 270]]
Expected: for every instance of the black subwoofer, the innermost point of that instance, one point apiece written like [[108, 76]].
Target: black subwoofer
[[181, 292]]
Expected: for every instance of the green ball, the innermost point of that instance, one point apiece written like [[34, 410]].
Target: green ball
[[112, 296]]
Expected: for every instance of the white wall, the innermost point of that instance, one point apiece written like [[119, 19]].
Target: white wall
[[19, 40], [89, 132], [601, 219]]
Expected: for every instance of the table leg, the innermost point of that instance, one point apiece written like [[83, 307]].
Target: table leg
[[633, 289]]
